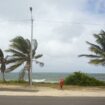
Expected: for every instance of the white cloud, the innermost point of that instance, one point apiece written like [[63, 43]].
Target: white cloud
[[61, 28]]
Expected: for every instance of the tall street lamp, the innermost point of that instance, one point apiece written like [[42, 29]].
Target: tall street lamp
[[30, 77]]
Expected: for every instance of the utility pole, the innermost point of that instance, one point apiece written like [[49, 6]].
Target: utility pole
[[30, 78]]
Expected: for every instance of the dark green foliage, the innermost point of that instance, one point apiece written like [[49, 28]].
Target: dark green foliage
[[2, 64], [97, 56], [82, 79]]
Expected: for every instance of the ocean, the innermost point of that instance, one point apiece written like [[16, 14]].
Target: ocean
[[49, 77]]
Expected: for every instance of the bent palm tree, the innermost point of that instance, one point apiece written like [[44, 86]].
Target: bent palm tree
[[98, 50], [20, 49], [3, 64]]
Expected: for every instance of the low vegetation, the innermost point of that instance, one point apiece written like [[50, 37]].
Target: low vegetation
[[82, 79], [13, 82]]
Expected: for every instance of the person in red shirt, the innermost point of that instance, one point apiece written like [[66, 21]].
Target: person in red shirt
[[61, 83]]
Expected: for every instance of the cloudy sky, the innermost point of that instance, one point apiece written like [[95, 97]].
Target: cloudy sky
[[61, 27]]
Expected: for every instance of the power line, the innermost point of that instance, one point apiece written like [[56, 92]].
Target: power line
[[69, 22], [16, 20], [54, 22]]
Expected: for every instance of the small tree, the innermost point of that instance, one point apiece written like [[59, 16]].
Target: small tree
[[3, 64]]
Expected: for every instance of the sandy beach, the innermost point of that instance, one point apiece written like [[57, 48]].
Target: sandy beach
[[14, 90]]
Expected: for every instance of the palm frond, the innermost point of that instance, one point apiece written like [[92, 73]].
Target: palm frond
[[35, 44], [98, 58], [20, 44], [40, 63], [16, 53], [28, 45], [89, 55], [15, 60], [13, 67], [94, 45], [95, 48], [1, 54], [100, 39], [38, 56], [34, 47], [3, 67], [97, 61]]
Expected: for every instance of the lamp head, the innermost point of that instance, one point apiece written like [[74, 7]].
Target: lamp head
[[30, 8]]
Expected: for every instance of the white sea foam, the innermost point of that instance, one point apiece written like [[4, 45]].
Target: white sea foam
[[38, 80], [42, 81]]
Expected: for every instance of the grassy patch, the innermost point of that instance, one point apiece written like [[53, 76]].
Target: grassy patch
[[14, 82], [82, 79]]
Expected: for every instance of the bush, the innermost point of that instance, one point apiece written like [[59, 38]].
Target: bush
[[82, 79]]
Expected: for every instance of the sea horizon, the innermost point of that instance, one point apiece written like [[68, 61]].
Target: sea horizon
[[48, 77]]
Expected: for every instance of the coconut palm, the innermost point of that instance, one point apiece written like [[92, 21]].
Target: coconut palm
[[20, 49], [97, 49], [3, 64]]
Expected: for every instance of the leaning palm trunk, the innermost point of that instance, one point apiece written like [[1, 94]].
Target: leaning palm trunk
[[28, 69], [29, 76], [22, 74], [3, 76]]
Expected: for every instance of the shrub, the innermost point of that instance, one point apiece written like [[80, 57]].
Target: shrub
[[82, 79]]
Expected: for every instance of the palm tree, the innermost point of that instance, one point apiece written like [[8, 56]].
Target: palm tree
[[20, 49], [98, 50], [3, 64]]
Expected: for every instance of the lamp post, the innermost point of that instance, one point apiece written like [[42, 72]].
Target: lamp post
[[30, 77]]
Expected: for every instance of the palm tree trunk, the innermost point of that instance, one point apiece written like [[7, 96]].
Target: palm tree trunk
[[3, 76], [28, 68], [29, 76]]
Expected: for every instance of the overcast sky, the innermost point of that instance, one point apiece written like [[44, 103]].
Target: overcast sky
[[61, 27]]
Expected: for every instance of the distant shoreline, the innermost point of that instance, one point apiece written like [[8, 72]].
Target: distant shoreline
[[48, 77]]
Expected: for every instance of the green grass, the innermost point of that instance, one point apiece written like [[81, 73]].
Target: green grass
[[14, 82]]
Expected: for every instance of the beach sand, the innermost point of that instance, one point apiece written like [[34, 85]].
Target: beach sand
[[15, 90]]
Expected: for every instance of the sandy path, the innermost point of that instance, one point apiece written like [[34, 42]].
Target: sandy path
[[47, 91]]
